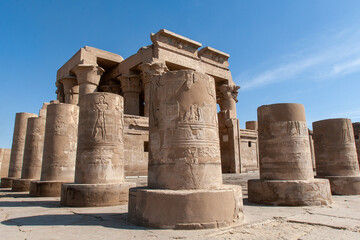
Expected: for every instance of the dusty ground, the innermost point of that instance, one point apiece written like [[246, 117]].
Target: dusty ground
[[23, 217]]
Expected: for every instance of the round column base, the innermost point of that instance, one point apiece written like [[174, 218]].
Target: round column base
[[21, 185], [45, 188], [290, 192], [344, 185], [95, 195], [7, 182], [186, 209]]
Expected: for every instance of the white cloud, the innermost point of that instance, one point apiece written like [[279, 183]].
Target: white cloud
[[323, 61]]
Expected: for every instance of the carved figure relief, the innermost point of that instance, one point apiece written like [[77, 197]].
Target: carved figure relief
[[60, 126], [99, 129]]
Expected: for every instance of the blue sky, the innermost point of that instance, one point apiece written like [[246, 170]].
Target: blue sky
[[304, 51]]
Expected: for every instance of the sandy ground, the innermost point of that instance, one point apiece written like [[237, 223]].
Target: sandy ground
[[24, 217]]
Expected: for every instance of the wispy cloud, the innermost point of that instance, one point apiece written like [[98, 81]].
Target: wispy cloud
[[323, 61]]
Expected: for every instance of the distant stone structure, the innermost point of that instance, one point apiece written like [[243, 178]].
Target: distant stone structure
[[286, 173], [95, 70], [4, 162], [356, 127], [60, 144], [185, 188], [335, 154], [17, 149], [99, 172]]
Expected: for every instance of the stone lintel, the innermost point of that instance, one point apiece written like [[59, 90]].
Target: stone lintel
[[215, 57]]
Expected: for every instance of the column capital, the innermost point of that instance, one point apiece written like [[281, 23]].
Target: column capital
[[68, 82], [130, 83], [228, 92], [88, 73], [152, 68]]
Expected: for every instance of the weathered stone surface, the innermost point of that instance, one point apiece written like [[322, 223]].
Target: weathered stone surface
[[356, 127], [131, 87], [335, 154], [186, 209], [33, 152], [251, 125], [290, 192], [88, 77], [5, 160], [60, 145], [335, 150], [99, 171], [17, 150], [286, 176], [185, 187], [184, 140]]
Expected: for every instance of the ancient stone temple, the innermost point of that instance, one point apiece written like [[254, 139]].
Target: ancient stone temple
[[335, 154], [185, 188], [356, 127], [17, 149], [95, 70], [33, 152], [99, 172], [4, 162], [286, 173], [58, 164]]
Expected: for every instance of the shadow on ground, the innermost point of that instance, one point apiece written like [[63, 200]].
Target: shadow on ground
[[22, 203], [109, 220]]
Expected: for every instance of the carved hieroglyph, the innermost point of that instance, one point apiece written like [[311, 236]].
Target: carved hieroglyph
[[184, 140], [286, 174], [335, 150], [284, 148], [60, 143], [34, 145], [18, 145], [100, 154]]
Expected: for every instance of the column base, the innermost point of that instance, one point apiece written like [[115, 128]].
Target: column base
[[186, 209], [290, 192], [344, 185], [21, 185], [7, 182], [95, 195], [45, 188]]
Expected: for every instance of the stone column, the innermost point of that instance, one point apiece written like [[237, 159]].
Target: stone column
[[286, 175], [34, 144], [58, 165], [185, 187], [71, 90], [335, 154], [99, 173], [17, 149], [131, 88], [5, 160], [150, 70], [356, 127], [227, 99], [88, 77], [252, 125]]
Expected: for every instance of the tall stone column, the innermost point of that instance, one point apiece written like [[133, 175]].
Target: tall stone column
[[335, 154], [88, 77], [229, 129], [131, 89], [5, 160], [71, 90], [286, 175], [33, 152], [17, 149], [99, 173], [185, 187], [58, 165], [150, 70], [356, 127]]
